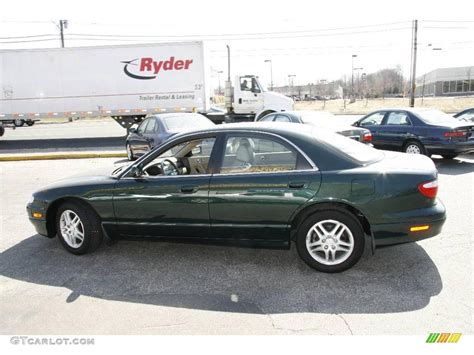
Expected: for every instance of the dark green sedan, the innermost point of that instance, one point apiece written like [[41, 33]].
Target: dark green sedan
[[252, 185]]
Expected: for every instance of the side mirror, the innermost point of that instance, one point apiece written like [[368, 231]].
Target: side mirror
[[356, 124], [132, 130], [197, 150]]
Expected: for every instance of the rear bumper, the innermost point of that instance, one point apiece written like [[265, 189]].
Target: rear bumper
[[399, 232], [452, 147]]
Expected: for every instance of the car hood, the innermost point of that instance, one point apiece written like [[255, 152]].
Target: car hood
[[94, 177]]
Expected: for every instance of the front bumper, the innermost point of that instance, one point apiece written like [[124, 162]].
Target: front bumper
[[399, 232], [39, 223]]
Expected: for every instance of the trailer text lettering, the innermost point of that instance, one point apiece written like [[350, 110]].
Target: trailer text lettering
[[148, 64]]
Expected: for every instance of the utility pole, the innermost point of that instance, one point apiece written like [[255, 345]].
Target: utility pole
[[62, 26], [413, 72]]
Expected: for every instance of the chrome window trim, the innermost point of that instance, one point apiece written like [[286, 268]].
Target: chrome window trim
[[226, 131]]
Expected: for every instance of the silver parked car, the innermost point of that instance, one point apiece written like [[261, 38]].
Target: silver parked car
[[322, 119]]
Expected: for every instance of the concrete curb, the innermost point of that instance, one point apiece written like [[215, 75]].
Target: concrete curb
[[62, 155]]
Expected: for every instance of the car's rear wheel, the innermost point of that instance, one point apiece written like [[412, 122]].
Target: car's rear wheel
[[414, 147], [18, 122], [130, 155], [330, 241], [449, 156], [78, 228]]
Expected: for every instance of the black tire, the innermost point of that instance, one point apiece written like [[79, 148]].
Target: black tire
[[2, 131], [449, 156], [413, 146], [30, 123], [18, 122], [348, 258], [91, 226], [130, 155]]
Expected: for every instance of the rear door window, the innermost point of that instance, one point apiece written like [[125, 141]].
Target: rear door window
[[398, 119], [259, 155]]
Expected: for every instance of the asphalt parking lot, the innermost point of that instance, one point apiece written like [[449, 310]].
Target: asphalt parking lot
[[163, 288]]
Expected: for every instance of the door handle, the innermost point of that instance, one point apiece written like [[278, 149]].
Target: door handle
[[240, 101], [296, 184], [189, 189]]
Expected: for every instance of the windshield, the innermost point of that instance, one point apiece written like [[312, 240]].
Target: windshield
[[435, 117], [358, 151], [186, 122]]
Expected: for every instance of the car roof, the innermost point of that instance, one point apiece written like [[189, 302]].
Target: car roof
[[284, 129], [174, 114], [408, 109]]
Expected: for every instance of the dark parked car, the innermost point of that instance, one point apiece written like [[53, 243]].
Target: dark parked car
[[419, 131], [466, 115], [321, 119], [284, 183], [158, 128]]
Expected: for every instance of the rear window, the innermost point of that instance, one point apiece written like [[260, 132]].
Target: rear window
[[436, 117], [360, 152], [186, 122]]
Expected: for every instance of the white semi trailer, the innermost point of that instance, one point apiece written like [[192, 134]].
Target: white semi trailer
[[126, 82]]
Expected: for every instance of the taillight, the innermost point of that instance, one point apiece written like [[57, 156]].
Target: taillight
[[429, 189], [367, 137], [455, 134]]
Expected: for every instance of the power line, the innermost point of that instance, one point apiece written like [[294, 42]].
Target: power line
[[30, 41], [31, 36]]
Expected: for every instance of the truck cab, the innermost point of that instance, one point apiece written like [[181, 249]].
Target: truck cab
[[251, 97]]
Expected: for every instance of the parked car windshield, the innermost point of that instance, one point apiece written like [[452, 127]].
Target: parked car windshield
[[436, 117], [360, 152], [186, 122]]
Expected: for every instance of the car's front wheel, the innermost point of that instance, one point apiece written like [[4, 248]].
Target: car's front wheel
[[30, 123], [330, 241], [130, 155], [78, 228]]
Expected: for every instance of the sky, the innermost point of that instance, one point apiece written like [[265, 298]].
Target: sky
[[309, 40]]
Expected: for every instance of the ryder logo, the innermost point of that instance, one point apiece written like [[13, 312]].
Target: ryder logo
[[147, 68]]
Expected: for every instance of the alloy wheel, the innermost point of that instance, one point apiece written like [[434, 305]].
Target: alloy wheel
[[412, 149], [330, 242], [72, 229]]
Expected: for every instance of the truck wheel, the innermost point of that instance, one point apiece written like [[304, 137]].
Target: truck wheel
[[18, 122], [330, 241], [79, 228], [30, 123], [2, 131]]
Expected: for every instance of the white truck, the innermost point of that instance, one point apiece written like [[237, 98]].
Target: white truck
[[126, 82]]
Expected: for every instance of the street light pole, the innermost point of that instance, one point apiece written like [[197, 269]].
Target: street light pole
[[219, 80], [271, 72], [352, 80], [358, 79], [291, 78]]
